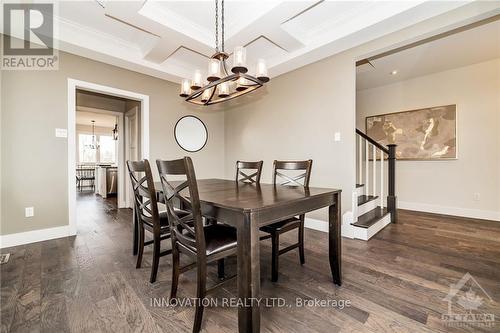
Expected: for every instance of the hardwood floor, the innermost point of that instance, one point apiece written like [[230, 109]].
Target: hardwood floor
[[395, 282]]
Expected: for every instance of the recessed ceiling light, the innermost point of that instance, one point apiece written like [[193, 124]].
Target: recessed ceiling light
[[394, 72]]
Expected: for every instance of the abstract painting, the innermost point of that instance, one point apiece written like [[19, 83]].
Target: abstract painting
[[424, 134]]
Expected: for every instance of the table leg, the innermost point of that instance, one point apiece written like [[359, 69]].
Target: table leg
[[135, 231], [248, 275], [334, 238]]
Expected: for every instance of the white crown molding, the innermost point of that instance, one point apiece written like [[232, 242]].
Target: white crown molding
[[73, 27]]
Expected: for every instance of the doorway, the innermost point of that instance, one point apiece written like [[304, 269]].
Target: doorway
[[106, 127]]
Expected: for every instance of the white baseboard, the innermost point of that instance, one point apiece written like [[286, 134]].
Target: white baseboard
[[316, 224], [323, 225], [455, 211], [34, 236]]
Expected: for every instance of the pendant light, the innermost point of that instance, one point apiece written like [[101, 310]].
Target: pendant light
[[222, 86], [115, 132], [93, 143]]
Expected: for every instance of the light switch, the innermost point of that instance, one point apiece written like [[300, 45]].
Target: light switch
[[61, 133], [29, 211], [337, 136]]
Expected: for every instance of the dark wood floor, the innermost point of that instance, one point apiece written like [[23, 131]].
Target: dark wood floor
[[396, 282]]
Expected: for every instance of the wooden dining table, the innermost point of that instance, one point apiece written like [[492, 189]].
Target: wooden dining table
[[247, 207]]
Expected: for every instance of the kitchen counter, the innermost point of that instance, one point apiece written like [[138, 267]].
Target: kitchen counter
[[106, 180]]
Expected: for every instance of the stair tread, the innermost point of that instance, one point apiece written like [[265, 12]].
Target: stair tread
[[370, 218], [362, 199], [359, 185]]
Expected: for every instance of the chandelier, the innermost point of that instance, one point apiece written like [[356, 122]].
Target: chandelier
[[94, 144], [221, 86]]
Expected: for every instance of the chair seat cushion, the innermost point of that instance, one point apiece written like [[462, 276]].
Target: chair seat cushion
[[282, 226], [219, 237]]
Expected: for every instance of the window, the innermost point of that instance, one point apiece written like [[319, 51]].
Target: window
[[107, 149], [105, 153], [87, 155]]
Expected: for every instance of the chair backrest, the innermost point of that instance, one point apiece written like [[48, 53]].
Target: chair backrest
[[186, 230], [292, 180], [249, 178], [146, 205], [85, 172]]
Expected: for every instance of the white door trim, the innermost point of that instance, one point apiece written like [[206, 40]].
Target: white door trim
[[129, 200], [73, 85]]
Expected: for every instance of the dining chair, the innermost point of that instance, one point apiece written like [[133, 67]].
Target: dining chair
[[85, 173], [203, 244], [280, 169], [147, 214], [254, 178]]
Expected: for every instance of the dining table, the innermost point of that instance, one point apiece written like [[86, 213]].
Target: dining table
[[248, 207]]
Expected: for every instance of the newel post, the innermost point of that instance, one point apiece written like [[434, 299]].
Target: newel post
[[391, 198]]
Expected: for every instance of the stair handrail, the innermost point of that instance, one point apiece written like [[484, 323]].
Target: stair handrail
[[373, 142]]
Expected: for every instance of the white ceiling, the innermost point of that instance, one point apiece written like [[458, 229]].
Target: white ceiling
[[461, 49], [101, 120], [170, 39]]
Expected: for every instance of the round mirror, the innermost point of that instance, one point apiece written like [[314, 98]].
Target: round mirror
[[191, 133]]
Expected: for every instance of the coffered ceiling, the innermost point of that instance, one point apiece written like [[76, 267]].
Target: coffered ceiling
[[170, 39]]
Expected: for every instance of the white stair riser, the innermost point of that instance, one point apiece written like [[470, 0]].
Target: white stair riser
[[367, 233], [367, 206]]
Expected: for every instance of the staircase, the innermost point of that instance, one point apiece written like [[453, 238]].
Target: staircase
[[372, 209]]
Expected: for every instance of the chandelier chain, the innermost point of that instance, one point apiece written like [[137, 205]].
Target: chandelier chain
[[222, 25], [216, 26], [221, 85]]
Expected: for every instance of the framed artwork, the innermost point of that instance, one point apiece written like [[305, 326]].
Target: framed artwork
[[423, 134]]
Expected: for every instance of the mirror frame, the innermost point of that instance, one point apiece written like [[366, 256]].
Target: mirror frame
[[206, 131]]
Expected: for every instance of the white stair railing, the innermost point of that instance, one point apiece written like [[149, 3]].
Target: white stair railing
[[360, 160], [382, 180], [367, 169], [374, 164], [373, 177]]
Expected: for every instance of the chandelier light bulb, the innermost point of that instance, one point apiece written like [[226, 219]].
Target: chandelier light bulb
[[185, 88], [241, 84], [224, 90], [262, 70], [239, 60], [206, 95], [213, 70], [197, 80]]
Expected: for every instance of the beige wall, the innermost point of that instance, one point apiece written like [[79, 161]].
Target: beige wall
[[34, 161], [298, 114], [296, 118], [449, 186]]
